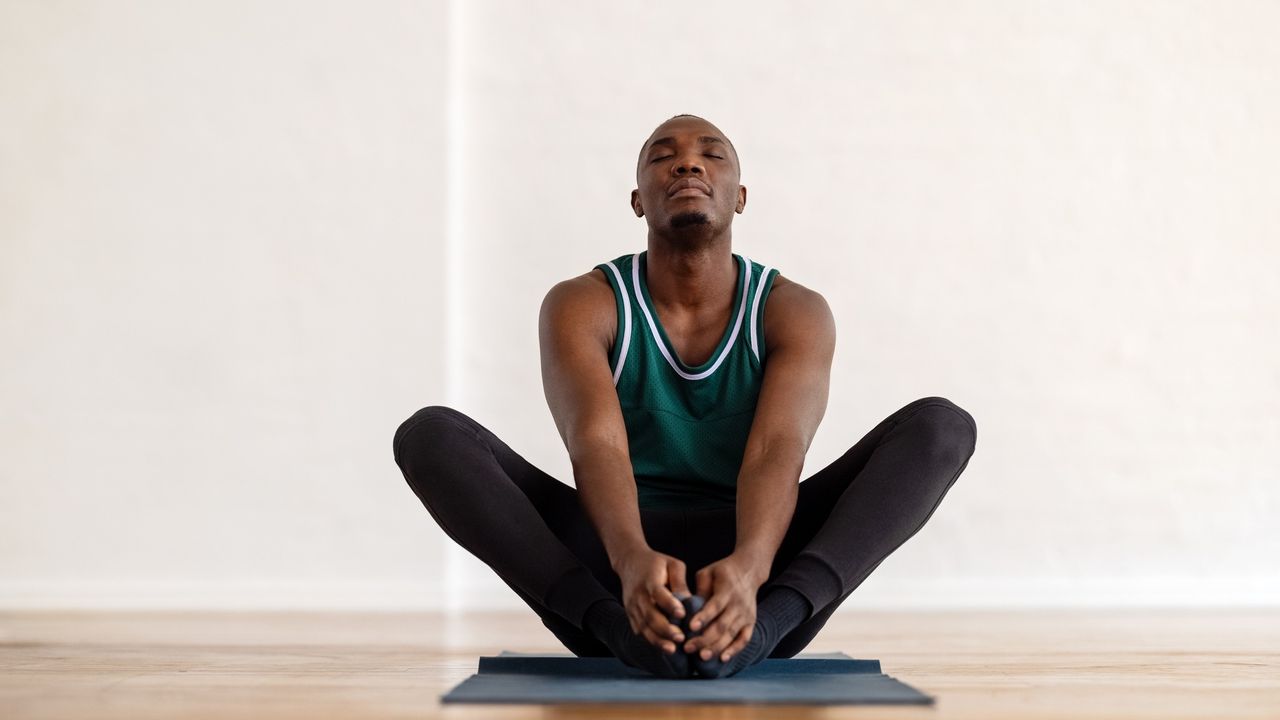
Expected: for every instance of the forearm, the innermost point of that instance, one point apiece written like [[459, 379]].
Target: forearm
[[607, 489], [768, 485]]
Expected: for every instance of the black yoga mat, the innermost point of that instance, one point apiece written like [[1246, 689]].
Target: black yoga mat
[[812, 679]]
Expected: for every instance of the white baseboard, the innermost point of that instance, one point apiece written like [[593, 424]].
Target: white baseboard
[[488, 593], [302, 594], [1067, 593]]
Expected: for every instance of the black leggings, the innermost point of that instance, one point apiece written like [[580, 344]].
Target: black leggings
[[533, 532]]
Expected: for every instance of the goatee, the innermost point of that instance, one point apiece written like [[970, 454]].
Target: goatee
[[686, 219]]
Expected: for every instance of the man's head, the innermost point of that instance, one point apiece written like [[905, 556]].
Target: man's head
[[687, 178]]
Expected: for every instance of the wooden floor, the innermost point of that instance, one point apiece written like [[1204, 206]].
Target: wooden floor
[[1028, 664]]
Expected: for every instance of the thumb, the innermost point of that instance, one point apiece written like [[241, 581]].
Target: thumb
[[704, 583]]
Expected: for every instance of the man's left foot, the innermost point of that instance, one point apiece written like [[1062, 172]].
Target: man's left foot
[[781, 610], [754, 652]]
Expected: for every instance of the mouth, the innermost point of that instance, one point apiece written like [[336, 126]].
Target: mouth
[[689, 187], [689, 192]]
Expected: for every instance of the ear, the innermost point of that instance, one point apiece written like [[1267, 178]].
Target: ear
[[636, 207], [742, 199]]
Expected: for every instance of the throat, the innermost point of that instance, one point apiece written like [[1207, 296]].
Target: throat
[[695, 325]]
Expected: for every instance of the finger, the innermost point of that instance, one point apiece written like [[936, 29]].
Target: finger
[[666, 645], [677, 571], [662, 627], [659, 593], [710, 638], [727, 635], [744, 637], [728, 629], [671, 603], [707, 614]]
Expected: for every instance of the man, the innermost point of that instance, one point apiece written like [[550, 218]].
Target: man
[[687, 411]]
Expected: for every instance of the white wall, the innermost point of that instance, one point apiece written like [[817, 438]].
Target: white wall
[[227, 235], [222, 273]]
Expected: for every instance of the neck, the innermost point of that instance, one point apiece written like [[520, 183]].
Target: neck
[[692, 276]]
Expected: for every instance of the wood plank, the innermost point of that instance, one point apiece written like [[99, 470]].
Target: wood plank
[[991, 664]]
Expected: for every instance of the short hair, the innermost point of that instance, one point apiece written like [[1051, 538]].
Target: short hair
[[640, 157]]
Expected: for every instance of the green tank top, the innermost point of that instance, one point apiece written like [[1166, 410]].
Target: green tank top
[[686, 426]]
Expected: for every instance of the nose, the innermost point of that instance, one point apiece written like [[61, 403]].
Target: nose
[[689, 165]]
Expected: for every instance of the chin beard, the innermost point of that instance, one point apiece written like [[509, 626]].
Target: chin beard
[[687, 219]]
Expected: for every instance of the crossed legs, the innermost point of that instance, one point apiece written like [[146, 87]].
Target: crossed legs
[[533, 532]]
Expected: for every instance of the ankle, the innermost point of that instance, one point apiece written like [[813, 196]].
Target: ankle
[[783, 609]]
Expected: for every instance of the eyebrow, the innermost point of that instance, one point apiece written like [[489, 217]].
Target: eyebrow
[[672, 141]]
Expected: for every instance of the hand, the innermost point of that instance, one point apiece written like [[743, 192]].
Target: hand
[[730, 586], [646, 575]]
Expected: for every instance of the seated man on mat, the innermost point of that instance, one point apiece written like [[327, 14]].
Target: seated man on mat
[[686, 409]]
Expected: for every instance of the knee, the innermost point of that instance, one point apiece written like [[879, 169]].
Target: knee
[[945, 428], [429, 426]]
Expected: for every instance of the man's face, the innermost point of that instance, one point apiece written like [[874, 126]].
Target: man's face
[[688, 178]]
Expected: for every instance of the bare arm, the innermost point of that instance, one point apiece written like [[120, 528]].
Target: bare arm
[[800, 340], [574, 327]]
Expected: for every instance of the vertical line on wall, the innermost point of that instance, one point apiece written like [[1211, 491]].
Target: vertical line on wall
[[455, 109]]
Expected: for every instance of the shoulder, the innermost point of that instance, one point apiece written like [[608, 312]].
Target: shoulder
[[790, 298], [583, 302], [588, 290], [797, 314]]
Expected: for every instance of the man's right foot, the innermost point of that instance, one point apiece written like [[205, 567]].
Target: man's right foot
[[607, 620]]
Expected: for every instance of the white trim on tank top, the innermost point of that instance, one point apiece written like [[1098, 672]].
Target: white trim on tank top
[[755, 305], [626, 322], [744, 274]]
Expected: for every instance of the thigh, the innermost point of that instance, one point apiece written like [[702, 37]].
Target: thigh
[[817, 495], [560, 507]]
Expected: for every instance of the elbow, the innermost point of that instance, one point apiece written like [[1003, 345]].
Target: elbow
[[586, 447], [786, 450]]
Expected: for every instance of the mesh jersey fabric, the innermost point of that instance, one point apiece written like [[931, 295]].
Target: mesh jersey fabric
[[687, 426]]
